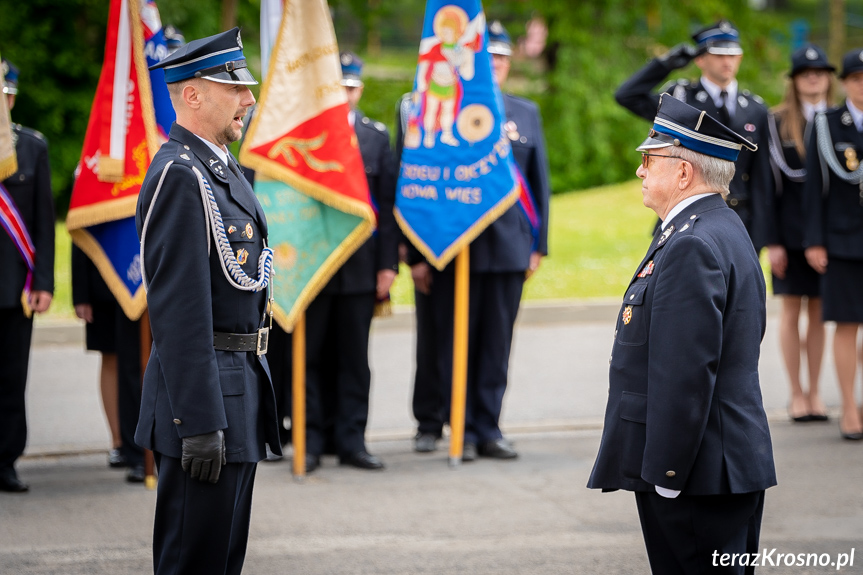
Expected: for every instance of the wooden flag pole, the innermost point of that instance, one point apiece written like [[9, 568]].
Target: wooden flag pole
[[298, 415], [146, 343], [459, 356]]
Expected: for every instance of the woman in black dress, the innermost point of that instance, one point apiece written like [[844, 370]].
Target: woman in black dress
[[809, 91]]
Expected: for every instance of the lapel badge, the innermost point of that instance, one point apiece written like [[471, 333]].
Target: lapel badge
[[846, 118], [185, 156], [744, 103], [701, 96], [665, 235], [232, 229], [242, 256], [249, 231], [627, 315], [851, 161], [749, 127], [646, 270]]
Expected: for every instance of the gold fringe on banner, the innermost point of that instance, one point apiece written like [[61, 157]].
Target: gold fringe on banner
[[8, 166], [111, 169]]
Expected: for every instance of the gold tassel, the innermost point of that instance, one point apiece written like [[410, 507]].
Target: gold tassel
[[111, 169], [8, 167], [383, 308]]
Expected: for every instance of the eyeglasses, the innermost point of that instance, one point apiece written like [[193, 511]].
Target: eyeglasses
[[645, 158]]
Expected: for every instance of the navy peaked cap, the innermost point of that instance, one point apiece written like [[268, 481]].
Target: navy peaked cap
[[10, 77], [809, 57], [852, 63], [679, 124], [218, 58], [499, 41], [352, 69], [720, 38]]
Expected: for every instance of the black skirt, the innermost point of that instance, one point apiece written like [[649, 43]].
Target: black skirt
[[102, 333], [800, 279], [840, 291]]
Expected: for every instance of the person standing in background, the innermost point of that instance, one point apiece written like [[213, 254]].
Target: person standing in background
[[809, 91], [718, 54], [833, 238], [27, 199]]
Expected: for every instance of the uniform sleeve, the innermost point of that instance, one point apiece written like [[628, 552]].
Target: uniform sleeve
[[180, 303], [388, 230], [538, 180], [763, 188], [813, 197], [42, 233], [685, 342], [636, 94]]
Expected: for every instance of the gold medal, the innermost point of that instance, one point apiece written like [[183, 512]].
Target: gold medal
[[232, 229], [851, 161], [242, 256], [627, 315], [249, 231]]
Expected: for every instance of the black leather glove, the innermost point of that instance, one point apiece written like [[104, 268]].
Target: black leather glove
[[679, 56], [204, 455]]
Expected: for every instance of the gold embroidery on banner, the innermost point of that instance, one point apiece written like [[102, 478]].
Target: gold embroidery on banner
[[141, 157], [287, 147]]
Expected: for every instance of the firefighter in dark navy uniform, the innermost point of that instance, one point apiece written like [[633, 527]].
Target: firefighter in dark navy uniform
[[339, 319], [685, 427], [207, 408], [501, 257], [833, 237], [718, 54], [29, 189]]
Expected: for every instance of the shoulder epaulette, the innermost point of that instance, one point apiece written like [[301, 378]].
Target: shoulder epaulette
[[29, 131]]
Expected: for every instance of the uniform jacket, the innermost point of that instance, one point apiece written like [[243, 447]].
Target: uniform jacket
[[835, 211], [189, 387], [783, 210], [506, 245], [30, 188], [684, 402], [752, 177], [381, 251]]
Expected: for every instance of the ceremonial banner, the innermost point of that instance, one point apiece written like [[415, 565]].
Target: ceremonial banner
[[122, 137], [309, 173], [457, 171], [8, 161]]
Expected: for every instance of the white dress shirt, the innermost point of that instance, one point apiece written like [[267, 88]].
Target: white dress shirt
[[715, 92]]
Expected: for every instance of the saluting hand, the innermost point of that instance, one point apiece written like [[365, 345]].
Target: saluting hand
[[679, 56]]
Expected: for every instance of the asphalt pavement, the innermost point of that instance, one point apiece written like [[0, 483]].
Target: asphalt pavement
[[528, 516]]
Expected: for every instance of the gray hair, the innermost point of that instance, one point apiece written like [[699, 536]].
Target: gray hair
[[715, 172]]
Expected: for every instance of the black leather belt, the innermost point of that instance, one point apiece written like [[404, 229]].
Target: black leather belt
[[256, 342]]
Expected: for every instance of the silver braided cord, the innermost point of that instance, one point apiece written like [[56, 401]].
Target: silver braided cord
[[777, 157], [230, 266], [236, 276], [825, 151]]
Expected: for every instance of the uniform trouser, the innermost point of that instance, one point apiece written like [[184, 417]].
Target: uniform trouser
[[429, 403], [15, 335], [494, 301], [682, 534], [337, 358], [128, 334], [201, 528]]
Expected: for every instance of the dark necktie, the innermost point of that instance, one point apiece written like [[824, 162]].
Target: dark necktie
[[724, 116]]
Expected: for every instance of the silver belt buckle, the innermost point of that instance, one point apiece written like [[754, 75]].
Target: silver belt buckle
[[263, 340]]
